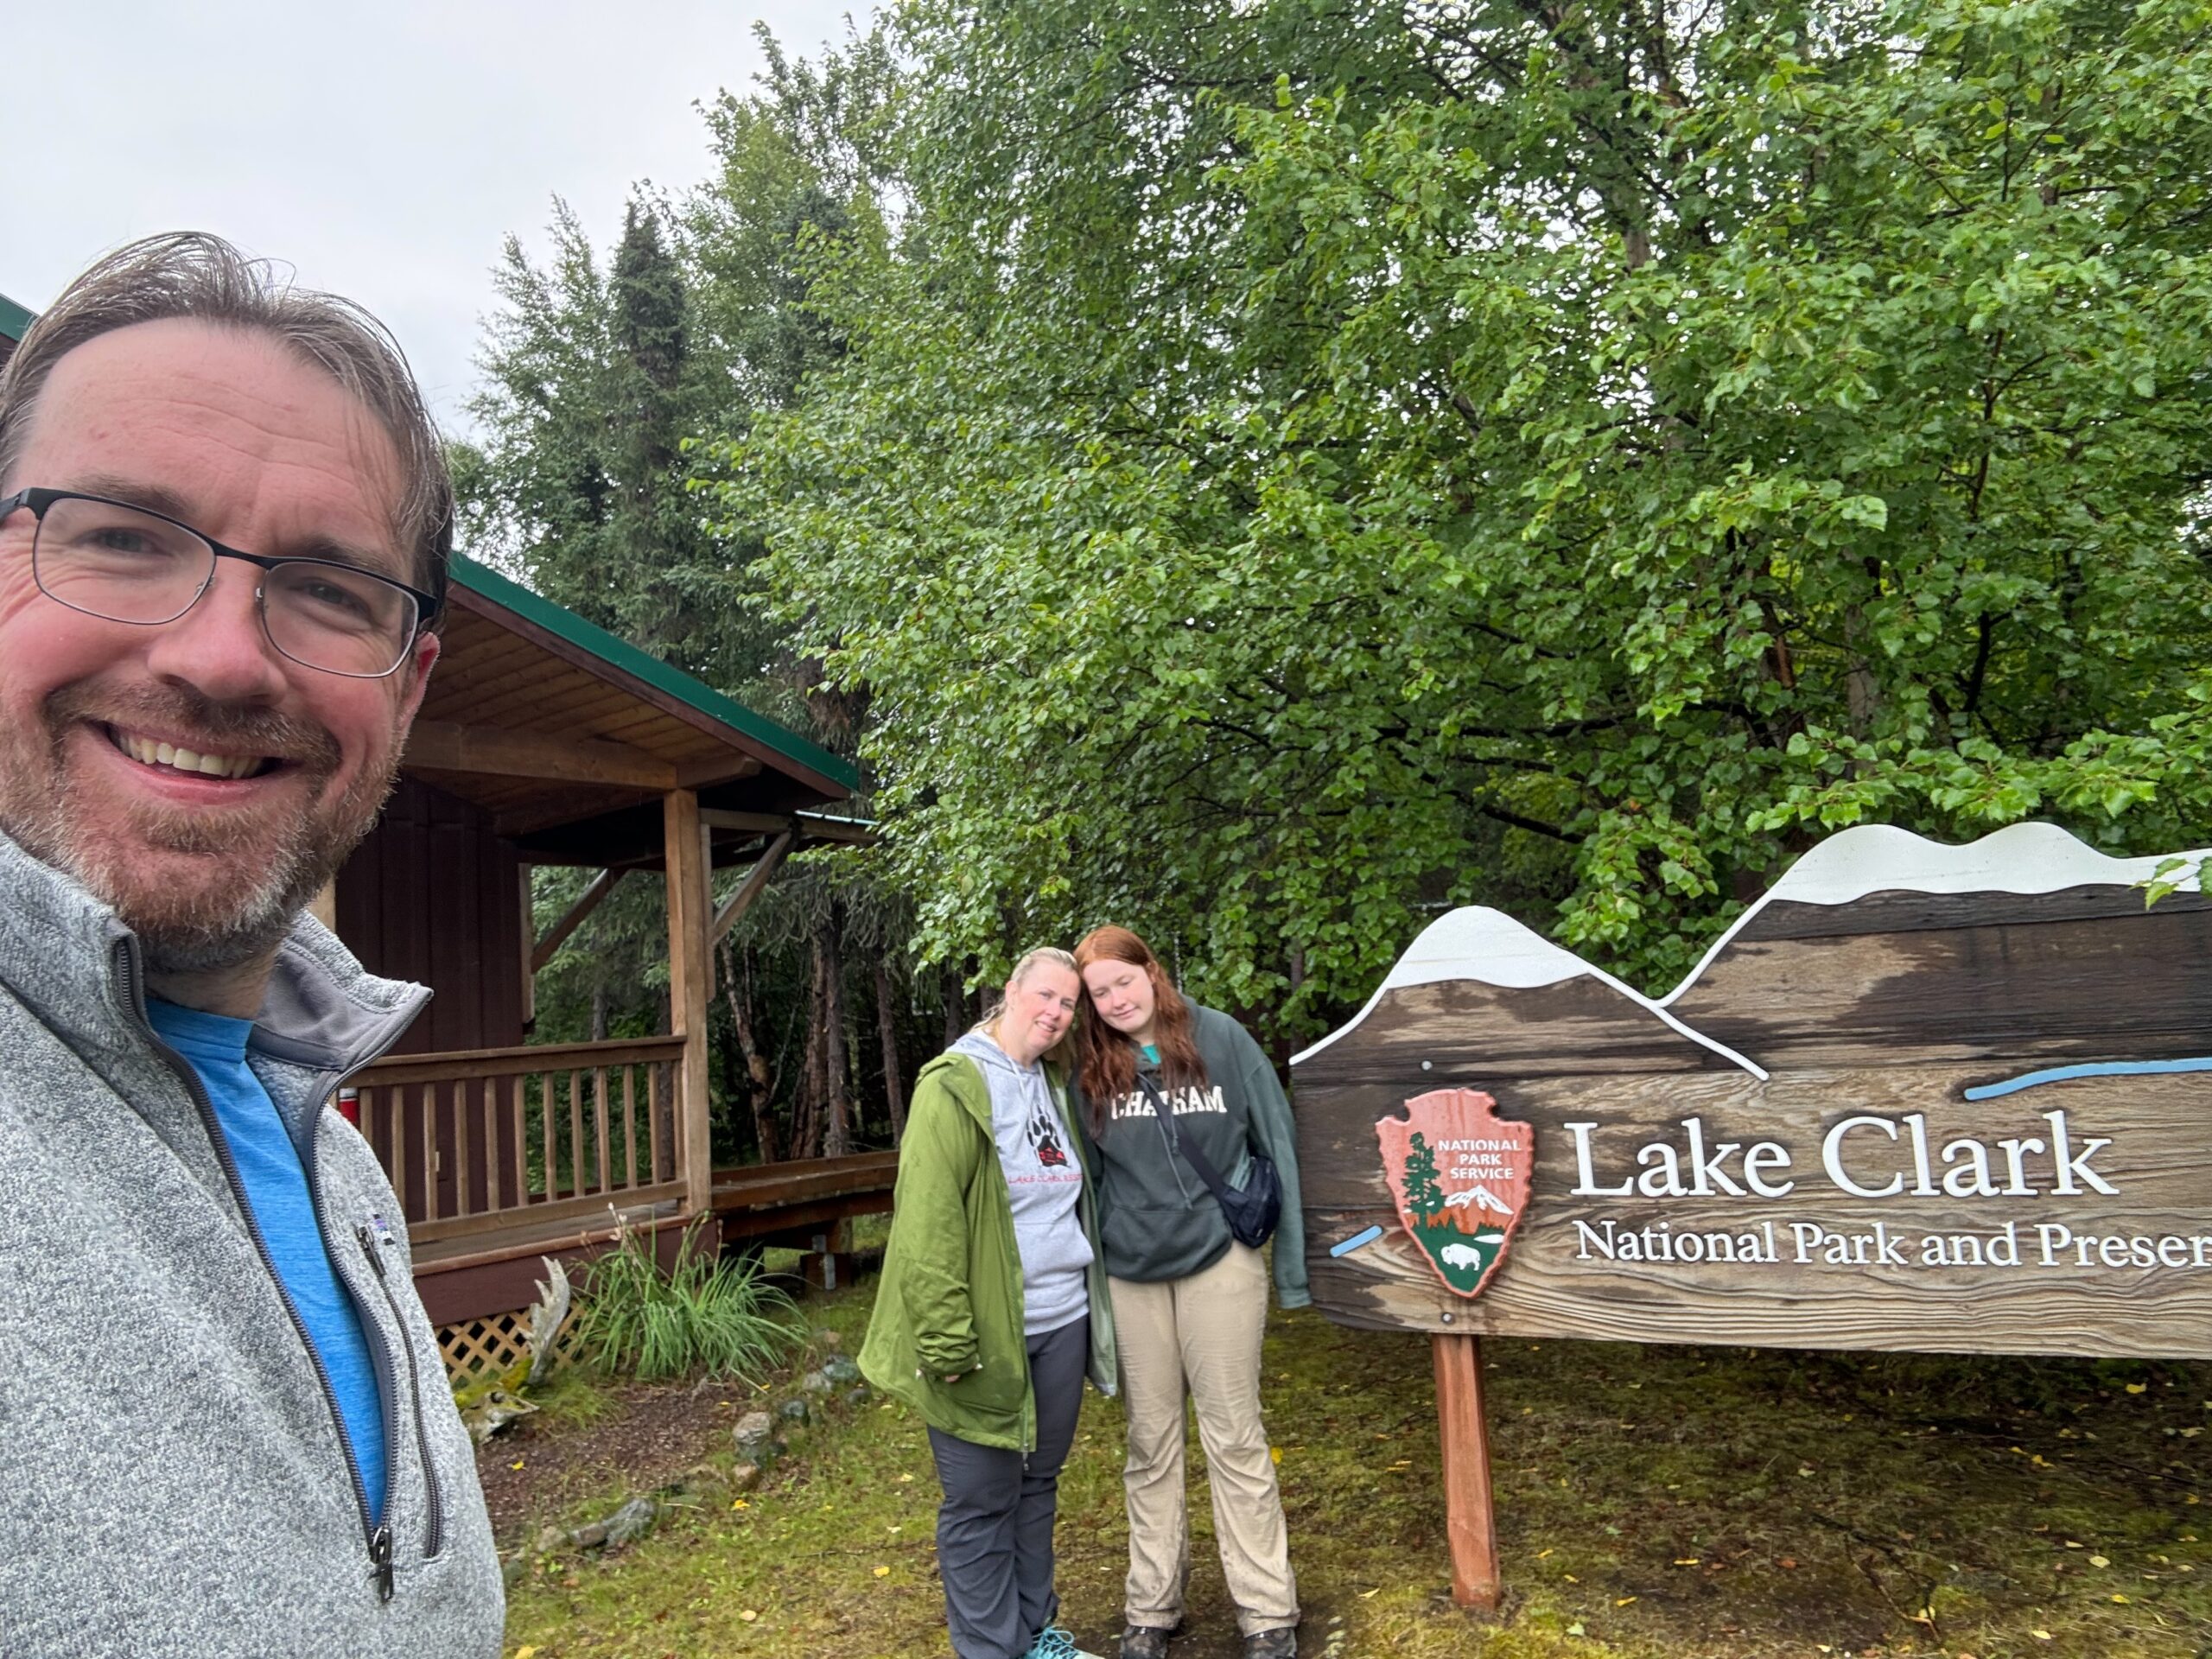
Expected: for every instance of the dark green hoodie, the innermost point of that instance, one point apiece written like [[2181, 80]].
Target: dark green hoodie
[[1156, 1219]]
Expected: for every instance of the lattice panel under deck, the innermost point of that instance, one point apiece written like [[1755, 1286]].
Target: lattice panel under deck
[[478, 1350]]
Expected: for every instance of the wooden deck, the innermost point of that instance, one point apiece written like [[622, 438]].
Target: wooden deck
[[504, 1156], [480, 1139], [815, 1192], [492, 1261]]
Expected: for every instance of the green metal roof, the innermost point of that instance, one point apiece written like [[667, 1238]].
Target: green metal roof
[[616, 653], [14, 318]]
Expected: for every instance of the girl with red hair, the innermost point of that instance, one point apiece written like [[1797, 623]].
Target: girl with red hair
[[1171, 1089]]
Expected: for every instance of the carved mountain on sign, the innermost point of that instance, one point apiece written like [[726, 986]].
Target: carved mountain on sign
[[1479, 965], [1878, 944], [1964, 963]]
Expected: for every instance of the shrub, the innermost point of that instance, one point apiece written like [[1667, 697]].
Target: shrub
[[719, 1317]]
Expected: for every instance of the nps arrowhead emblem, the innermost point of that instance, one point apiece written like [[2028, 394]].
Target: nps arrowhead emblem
[[1459, 1175]]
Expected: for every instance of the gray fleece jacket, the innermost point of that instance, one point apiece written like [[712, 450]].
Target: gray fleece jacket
[[172, 1480], [1043, 1179]]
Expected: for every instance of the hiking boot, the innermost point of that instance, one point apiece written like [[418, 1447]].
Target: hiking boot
[[1145, 1642], [1053, 1642], [1272, 1644]]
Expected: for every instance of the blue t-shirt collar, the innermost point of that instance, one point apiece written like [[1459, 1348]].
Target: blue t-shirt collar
[[199, 1034]]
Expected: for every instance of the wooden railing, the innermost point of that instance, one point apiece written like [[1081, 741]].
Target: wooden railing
[[475, 1139]]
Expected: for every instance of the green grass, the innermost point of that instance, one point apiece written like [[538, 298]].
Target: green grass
[[575, 1396], [1653, 1503]]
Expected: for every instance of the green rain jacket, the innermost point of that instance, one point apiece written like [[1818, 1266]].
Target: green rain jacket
[[950, 1303]]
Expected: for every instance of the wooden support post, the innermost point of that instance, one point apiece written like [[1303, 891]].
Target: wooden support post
[[558, 935], [828, 1261], [742, 900], [1468, 1522], [707, 874], [527, 920], [688, 899]]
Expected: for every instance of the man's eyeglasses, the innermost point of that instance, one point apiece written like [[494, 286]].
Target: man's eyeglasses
[[125, 564]]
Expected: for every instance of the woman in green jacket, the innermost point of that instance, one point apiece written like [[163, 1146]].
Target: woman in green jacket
[[992, 1308]]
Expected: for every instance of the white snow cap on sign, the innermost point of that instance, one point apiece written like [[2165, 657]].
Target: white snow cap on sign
[[1488, 946], [1478, 942], [2019, 858], [1870, 858]]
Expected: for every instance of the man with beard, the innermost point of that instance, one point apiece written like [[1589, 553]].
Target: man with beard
[[225, 522]]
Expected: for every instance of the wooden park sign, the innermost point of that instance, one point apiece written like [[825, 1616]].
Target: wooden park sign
[[1918, 1096]]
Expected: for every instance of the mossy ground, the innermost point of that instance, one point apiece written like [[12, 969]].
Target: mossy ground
[[1652, 1502]]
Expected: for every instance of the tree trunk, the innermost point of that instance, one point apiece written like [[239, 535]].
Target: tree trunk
[[598, 1013], [886, 1032], [806, 1124], [1862, 691], [838, 1139], [756, 1067], [949, 979]]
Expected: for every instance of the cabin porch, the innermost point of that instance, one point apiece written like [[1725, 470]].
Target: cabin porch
[[544, 741]]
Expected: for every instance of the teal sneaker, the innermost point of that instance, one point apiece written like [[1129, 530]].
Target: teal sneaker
[[1053, 1642]]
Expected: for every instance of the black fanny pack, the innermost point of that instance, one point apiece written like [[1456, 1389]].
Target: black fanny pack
[[1251, 1210]]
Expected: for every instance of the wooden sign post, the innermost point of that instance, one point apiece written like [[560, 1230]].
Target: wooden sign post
[[1918, 1096], [1469, 1516]]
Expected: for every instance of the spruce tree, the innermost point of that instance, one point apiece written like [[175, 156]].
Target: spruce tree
[[1424, 1192]]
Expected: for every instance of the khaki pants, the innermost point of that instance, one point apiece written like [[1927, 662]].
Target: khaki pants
[[1200, 1335]]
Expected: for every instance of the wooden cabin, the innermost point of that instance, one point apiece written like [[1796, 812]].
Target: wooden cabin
[[543, 740]]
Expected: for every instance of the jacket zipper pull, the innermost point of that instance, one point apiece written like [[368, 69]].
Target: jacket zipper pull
[[372, 1235], [380, 1559]]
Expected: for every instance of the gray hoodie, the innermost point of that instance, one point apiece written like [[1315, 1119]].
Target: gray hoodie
[[171, 1477], [1044, 1177]]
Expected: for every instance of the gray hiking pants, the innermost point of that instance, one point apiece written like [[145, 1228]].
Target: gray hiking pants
[[994, 1527]]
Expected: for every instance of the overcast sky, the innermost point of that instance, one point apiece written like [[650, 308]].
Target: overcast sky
[[383, 150]]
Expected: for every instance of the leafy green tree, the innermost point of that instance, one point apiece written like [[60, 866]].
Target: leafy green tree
[[798, 170], [1297, 466], [599, 375]]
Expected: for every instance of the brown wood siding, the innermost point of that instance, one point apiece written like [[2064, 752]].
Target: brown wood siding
[[435, 896], [1899, 978]]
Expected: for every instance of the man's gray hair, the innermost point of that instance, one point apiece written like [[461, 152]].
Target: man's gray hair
[[193, 275]]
